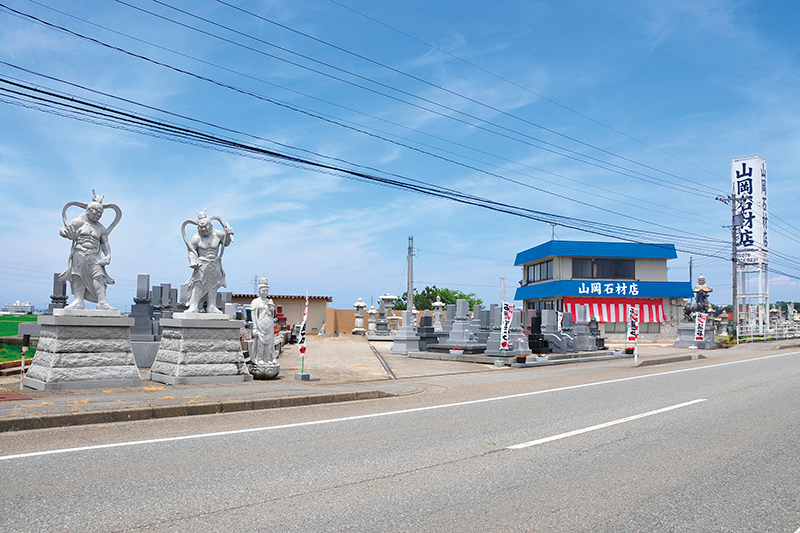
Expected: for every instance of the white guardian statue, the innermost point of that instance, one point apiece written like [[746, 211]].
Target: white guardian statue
[[205, 258], [90, 253]]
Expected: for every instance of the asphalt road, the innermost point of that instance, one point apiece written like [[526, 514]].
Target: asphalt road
[[711, 446]]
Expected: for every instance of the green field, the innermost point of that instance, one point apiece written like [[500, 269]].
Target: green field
[[9, 323], [8, 328]]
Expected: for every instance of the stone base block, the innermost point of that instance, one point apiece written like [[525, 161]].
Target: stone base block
[[197, 380], [302, 376], [199, 350], [686, 337], [85, 384], [80, 349]]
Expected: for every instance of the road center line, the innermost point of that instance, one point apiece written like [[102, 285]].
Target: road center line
[[375, 415], [601, 426]]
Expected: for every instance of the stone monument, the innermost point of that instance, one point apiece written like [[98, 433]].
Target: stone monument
[[382, 331], [687, 330], [83, 348], [517, 342], [199, 347], [406, 338], [263, 363], [438, 305], [358, 328]]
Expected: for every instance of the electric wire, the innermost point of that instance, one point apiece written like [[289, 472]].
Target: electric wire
[[182, 134], [571, 154], [524, 88], [654, 206]]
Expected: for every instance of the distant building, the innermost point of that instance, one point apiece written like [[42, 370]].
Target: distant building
[[18, 308], [293, 306], [607, 276]]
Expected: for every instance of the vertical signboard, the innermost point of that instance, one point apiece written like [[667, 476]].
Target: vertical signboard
[[508, 310], [700, 326], [749, 181], [633, 323]]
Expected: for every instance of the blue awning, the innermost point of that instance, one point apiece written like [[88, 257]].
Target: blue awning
[[605, 288]]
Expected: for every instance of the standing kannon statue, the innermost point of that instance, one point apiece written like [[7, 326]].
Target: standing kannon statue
[[262, 310], [205, 258], [90, 253]]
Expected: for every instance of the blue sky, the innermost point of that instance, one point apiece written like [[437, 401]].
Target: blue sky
[[666, 93]]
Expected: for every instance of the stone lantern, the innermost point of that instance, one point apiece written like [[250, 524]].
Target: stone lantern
[[438, 305], [359, 324]]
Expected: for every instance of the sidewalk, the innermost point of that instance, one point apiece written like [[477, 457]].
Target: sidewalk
[[341, 369]]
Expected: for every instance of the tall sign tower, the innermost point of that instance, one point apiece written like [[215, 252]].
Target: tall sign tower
[[749, 180]]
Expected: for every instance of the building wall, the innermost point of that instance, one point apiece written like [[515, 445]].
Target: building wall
[[341, 320], [293, 308], [651, 269], [646, 269]]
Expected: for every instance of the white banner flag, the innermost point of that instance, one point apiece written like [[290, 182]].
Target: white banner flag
[[633, 323], [700, 326], [508, 311], [302, 340]]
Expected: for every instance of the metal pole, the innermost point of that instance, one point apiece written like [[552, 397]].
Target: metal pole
[[410, 299], [735, 279]]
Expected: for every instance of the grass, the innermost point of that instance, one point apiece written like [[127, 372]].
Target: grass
[[12, 353], [8, 328], [9, 323]]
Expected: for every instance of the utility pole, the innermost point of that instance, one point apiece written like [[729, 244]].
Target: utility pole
[[410, 299], [736, 222]]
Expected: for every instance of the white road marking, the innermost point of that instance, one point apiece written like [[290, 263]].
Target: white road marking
[[601, 426], [373, 415]]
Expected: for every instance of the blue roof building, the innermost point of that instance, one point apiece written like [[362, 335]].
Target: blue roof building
[[607, 276]]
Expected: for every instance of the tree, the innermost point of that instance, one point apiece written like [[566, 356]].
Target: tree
[[424, 300]]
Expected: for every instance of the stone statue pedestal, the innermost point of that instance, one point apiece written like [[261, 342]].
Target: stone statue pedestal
[[199, 348], [83, 349], [686, 337]]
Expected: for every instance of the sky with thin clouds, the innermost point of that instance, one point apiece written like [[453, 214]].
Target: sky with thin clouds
[[616, 119]]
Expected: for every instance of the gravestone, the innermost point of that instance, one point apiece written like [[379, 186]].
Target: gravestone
[[382, 331], [427, 333], [536, 341], [460, 331], [485, 328], [142, 311], [406, 338], [559, 338], [584, 340], [58, 300], [517, 342]]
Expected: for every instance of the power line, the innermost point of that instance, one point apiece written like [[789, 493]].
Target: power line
[[519, 86], [116, 118], [339, 121], [570, 154], [434, 85]]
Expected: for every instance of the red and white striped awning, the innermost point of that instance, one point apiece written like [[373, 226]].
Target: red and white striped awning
[[615, 310]]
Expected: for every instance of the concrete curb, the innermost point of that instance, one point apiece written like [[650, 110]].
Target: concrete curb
[[191, 409], [665, 360]]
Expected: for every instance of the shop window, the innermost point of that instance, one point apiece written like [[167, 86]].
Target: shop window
[[603, 268], [540, 271]]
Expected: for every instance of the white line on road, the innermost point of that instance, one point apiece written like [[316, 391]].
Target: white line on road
[[373, 415], [601, 426]]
